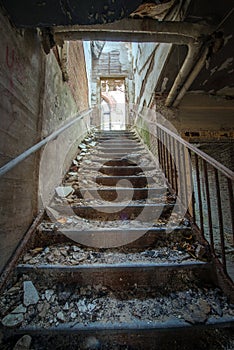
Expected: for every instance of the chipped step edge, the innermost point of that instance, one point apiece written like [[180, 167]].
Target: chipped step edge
[[118, 327]]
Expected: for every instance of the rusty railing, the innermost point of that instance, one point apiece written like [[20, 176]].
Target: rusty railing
[[203, 186]]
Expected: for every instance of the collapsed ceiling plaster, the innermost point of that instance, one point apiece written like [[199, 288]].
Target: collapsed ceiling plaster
[[153, 10]]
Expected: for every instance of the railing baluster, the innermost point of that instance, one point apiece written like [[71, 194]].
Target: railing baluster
[[179, 183], [185, 190], [199, 194], [174, 156], [167, 158], [220, 215], [159, 147], [175, 165], [231, 201], [193, 212], [208, 206], [164, 153], [171, 164]]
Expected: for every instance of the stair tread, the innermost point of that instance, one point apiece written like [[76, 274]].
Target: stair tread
[[115, 310], [168, 324], [70, 254]]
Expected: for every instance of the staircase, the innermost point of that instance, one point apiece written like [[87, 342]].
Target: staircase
[[115, 265]]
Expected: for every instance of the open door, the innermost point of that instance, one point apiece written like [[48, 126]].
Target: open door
[[113, 104]]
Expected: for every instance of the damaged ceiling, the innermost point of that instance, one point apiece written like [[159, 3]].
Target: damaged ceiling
[[217, 75]]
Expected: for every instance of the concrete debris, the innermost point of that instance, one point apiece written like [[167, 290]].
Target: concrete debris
[[66, 307], [19, 310], [31, 296], [81, 306], [23, 343], [64, 191], [13, 320], [101, 304], [60, 316], [43, 309], [197, 313], [73, 255], [91, 343], [75, 162], [82, 146], [48, 294], [200, 251]]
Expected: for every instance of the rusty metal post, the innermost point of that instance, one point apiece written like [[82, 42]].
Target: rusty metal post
[[208, 207], [199, 194], [220, 216]]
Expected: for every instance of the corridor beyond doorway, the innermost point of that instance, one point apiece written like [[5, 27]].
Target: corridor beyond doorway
[[113, 108]]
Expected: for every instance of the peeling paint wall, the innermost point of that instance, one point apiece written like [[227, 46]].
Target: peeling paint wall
[[148, 62], [88, 63], [34, 102], [63, 101], [21, 84]]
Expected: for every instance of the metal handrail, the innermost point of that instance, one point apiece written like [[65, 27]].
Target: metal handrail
[[8, 166], [175, 157], [220, 167]]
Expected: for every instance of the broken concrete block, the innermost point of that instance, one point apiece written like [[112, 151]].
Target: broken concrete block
[[23, 343], [31, 296], [12, 320], [64, 191]]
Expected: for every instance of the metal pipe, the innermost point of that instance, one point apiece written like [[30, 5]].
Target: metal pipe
[[5, 168], [192, 54], [192, 76]]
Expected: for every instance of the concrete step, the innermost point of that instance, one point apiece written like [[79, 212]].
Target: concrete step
[[101, 310], [119, 170], [111, 193], [113, 155], [124, 211], [136, 181], [117, 138], [122, 276], [119, 149], [120, 141]]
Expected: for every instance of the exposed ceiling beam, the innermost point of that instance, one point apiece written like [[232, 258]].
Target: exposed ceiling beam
[[136, 30]]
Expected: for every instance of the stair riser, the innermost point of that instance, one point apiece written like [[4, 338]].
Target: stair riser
[[119, 139], [156, 237], [141, 338], [110, 156], [113, 162], [128, 213], [138, 181], [119, 149], [135, 194], [122, 171], [119, 143], [160, 279]]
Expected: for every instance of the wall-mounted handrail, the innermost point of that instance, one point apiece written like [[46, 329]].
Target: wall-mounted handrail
[[8, 166]]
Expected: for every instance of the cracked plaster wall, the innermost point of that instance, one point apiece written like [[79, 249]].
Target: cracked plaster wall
[[34, 102]]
